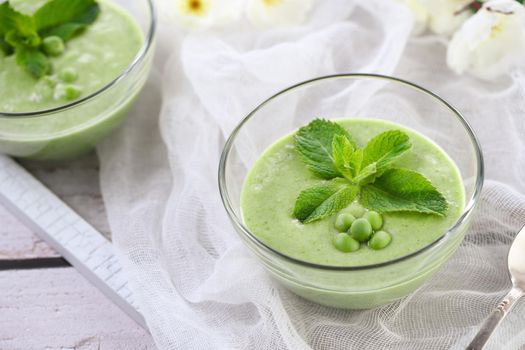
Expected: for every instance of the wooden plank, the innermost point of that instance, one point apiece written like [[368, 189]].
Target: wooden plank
[[77, 184], [58, 309], [18, 242], [62, 228]]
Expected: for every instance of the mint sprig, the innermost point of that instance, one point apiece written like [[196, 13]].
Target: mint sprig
[[23, 35], [324, 200], [367, 173]]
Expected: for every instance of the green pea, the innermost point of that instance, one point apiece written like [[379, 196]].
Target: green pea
[[53, 45], [344, 221], [67, 91], [380, 240], [355, 209], [375, 219], [344, 243], [72, 92], [361, 230], [68, 75]]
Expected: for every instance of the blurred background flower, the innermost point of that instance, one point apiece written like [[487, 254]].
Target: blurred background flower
[[205, 14], [488, 37], [201, 14], [445, 16], [440, 16], [491, 42], [277, 13]]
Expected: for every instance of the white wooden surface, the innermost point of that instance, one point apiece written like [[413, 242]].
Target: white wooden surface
[[56, 308], [17, 242]]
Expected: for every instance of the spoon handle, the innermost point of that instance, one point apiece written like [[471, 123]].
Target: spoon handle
[[495, 319]]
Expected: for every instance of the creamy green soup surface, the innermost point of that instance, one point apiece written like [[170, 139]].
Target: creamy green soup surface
[[98, 55], [278, 176]]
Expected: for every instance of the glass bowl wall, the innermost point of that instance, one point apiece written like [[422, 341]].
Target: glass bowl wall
[[75, 128], [352, 96]]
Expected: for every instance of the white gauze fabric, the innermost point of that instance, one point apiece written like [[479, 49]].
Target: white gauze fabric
[[197, 285]]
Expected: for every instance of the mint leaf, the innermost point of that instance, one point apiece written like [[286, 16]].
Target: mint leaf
[[65, 18], [18, 34], [367, 175], [22, 34], [6, 23], [356, 160], [403, 190], [380, 152], [16, 29], [33, 61], [319, 202], [342, 150], [314, 145], [5, 47], [10, 19], [15, 39], [65, 31]]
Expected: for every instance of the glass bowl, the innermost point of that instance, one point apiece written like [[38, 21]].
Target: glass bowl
[[347, 96], [75, 128]]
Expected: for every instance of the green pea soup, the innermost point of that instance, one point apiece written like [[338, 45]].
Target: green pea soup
[[90, 61], [278, 176]]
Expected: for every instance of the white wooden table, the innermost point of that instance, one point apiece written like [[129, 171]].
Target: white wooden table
[[45, 303]]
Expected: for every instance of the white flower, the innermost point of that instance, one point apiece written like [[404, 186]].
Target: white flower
[[445, 16], [441, 16], [277, 13], [203, 14], [490, 42]]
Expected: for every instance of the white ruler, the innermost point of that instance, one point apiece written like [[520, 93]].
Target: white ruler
[[77, 241]]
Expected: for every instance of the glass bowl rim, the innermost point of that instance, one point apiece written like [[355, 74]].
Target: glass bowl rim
[[139, 57], [465, 216]]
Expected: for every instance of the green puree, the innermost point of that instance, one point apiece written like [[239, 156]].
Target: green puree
[[98, 55], [276, 179]]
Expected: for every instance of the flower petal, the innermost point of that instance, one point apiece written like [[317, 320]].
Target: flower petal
[[227, 11], [202, 14], [491, 41], [445, 16], [277, 13]]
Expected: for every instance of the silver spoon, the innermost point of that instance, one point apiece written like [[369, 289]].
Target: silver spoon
[[516, 264]]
